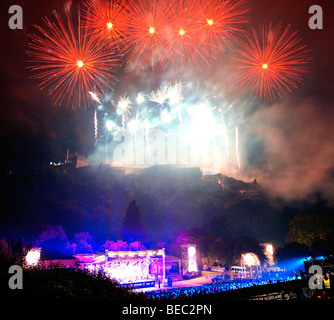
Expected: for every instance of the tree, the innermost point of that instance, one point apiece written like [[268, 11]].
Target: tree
[[122, 246], [81, 243], [309, 229], [52, 240], [132, 228]]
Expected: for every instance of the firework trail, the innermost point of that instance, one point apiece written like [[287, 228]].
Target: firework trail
[[95, 127], [226, 143], [237, 146], [95, 97]]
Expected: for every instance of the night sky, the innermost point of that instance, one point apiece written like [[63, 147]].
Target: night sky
[[289, 143]]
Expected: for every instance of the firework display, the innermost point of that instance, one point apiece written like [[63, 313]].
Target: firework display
[[179, 32], [221, 23], [186, 131], [272, 61], [72, 60], [108, 21], [188, 45], [147, 35], [144, 33], [77, 63], [69, 62]]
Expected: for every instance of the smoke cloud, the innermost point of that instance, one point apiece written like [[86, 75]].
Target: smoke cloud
[[286, 146], [295, 146]]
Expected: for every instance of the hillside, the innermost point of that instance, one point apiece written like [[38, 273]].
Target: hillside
[[95, 199]]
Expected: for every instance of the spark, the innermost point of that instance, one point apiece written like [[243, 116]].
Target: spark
[[95, 96], [174, 93], [181, 32], [110, 125], [210, 22], [159, 96], [140, 98]]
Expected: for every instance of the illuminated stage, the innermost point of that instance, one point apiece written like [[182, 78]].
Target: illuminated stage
[[139, 269]]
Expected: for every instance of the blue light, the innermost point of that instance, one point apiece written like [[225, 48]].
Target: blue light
[[320, 258], [295, 264]]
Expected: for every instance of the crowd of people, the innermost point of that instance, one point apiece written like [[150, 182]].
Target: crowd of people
[[214, 287]]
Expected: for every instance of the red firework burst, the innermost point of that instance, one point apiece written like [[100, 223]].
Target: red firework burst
[[272, 62], [151, 32], [186, 43], [221, 22], [107, 20], [147, 33], [69, 62]]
